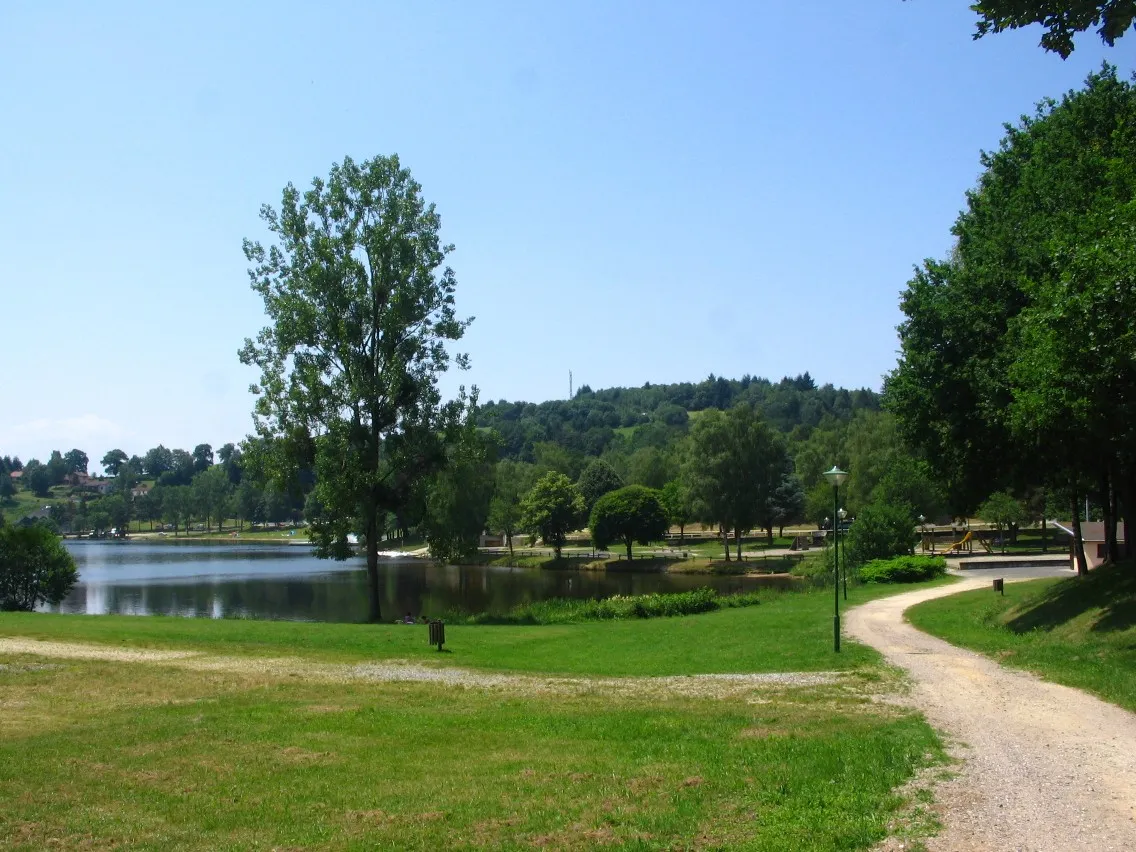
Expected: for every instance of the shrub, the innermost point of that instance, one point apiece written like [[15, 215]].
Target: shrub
[[35, 567], [880, 531], [903, 569], [569, 610], [816, 568]]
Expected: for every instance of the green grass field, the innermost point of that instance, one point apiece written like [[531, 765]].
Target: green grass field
[[97, 754], [1079, 632]]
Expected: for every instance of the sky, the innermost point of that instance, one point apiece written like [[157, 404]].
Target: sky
[[637, 191]]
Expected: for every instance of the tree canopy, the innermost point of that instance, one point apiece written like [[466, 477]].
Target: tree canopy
[[1015, 368], [35, 568], [1062, 19], [361, 308], [553, 508], [631, 514]]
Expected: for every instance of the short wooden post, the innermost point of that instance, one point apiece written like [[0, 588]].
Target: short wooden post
[[999, 586]]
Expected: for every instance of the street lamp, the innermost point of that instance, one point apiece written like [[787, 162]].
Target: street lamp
[[836, 476], [923, 533], [843, 555]]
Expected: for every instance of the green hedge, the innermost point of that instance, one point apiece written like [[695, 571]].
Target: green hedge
[[903, 569]]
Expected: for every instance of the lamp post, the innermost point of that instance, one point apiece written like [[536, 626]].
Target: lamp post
[[836, 476], [923, 533], [843, 555]]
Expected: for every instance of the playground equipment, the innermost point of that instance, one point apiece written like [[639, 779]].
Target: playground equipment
[[966, 543]]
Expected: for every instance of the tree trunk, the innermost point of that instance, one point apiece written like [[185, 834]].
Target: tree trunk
[[780, 531], [1044, 536], [630, 556], [769, 534], [725, 540], [1111, 521], [509, 541], [738, 542], [374, 614], [681, 530], [1078, 542]]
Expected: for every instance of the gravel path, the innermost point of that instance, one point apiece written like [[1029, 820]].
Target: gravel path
[[1045, 767], [402, 671]]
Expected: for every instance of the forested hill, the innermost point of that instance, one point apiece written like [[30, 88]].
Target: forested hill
[[620, 421]]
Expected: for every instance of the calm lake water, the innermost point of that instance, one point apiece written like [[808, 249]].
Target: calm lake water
[[287, 582]]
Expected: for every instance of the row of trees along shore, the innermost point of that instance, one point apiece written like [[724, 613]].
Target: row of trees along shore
[[1015, 378]]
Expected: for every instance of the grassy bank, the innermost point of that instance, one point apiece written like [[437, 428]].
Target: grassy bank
[[1079, 632], [99, 754], [791, 632]]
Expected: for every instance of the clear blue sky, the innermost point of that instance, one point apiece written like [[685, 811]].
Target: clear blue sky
[[638, 191]]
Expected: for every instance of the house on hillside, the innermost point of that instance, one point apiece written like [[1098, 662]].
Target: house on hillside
[[1092, 532], [140, 490], [16, 475]]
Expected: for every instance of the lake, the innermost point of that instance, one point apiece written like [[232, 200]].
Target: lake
[[289, 582]]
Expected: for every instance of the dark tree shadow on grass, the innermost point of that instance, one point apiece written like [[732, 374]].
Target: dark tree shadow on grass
[[1110, 589]]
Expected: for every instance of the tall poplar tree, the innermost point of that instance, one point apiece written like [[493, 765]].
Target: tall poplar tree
[[360, 306]]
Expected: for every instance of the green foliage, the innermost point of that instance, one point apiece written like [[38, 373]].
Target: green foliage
[[458, 496], [7, 488], [36, 478], [1004, 511], [1062, 19], [880, 531], [735, 465], [597, 480], [112, 461], [651, 467], [35, 568], [361, 309], [512, 481], [571, 611], [1018, 346], [631, 514], [553, 508], [677, 503], [75, 461], [903, 569]]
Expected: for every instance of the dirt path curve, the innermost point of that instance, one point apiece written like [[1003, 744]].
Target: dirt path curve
[[404, 671], [1045, 767]]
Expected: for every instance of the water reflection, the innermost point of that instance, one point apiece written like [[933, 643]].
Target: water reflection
[[285, 582]]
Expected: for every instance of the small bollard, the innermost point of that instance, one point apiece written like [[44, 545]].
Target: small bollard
[[438, 634], [999, 585]]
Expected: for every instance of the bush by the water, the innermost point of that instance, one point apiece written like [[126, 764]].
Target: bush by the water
[[35, 568], [568, 610], [903, 569]]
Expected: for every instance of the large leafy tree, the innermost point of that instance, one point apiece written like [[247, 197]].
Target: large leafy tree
[[76, 461], [1062, 19], [1018, 348], [632, 514], [157, 461], [361, 308], [112, 460], [553, 508], [736, 463]]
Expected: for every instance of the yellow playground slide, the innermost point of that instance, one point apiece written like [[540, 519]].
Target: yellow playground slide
[[959, 543]]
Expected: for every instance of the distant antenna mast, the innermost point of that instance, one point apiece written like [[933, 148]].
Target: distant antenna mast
[[569, 384]]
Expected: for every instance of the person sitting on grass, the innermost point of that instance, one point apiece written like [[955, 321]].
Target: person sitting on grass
[[408, 618]]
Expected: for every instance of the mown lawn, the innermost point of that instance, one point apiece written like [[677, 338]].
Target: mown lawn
[[1079, 632], [787, 632], [95, 754]]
